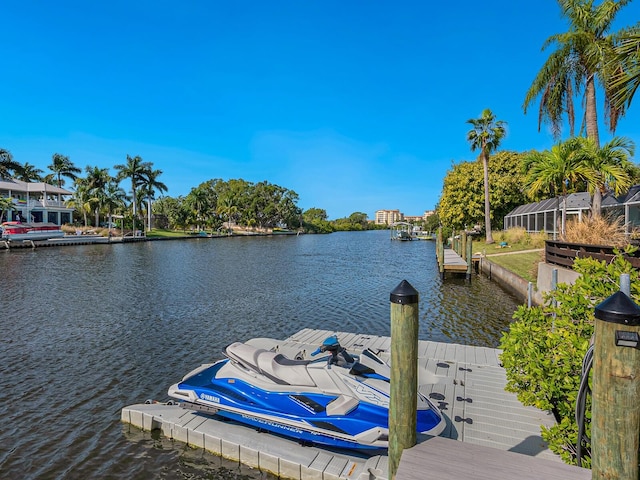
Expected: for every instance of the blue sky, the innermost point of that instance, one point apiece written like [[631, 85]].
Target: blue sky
[[355, 105]]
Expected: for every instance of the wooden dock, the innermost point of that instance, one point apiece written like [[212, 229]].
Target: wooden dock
[[457, 259], [489, 434], [453, 262]]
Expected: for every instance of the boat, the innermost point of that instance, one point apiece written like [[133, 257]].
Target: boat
[[401, 231], [18, 231], [423, 235], [337, 399]]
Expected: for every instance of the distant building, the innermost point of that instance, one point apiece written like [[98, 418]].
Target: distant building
[[36, 201], [427, 214], [412, 219], [387, 217]]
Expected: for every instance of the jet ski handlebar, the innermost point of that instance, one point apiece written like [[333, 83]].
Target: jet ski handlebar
[[339, 354]]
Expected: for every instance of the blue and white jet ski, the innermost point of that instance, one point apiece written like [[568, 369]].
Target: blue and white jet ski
[[339, 400]]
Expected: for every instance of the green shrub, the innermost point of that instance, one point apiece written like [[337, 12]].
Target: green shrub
[[544, 347]]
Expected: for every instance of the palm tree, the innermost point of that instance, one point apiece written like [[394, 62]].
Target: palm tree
[[135, 170], [29, 173], [49, 178], [81, 198], [148, 189], [95, 182], [557, 170], [113, 199], [486, 135], [5, 205], [227, 207], [582, 57], [608, 165], [625, 78], [198, 201], [7, 164], [63, 167]]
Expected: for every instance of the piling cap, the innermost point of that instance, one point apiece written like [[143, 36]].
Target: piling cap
[[618, 308], [404, 294]]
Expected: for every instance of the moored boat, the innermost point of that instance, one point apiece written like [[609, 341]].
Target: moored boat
[[340, 399], [17, 231], [401, 231]]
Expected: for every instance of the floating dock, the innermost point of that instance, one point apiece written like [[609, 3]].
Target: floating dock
[[489, 434]]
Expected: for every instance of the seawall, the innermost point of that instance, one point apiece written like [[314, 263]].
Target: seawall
[[519, 287], [508, 280]]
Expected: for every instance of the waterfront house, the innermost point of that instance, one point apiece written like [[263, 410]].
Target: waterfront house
[[36, 201]]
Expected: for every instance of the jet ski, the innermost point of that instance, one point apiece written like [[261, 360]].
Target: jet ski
[[335, 398]]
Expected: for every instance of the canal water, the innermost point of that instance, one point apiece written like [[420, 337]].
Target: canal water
[[86, 330]]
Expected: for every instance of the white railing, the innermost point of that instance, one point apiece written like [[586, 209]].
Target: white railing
[[38, 203]]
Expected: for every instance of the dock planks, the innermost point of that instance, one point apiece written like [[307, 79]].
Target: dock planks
[[453, 262], [450, 460], [489, 434]]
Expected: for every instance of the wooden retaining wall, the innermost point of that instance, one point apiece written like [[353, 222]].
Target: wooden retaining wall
[[563, 254]]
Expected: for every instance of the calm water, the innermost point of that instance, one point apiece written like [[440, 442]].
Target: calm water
[[87, 330]]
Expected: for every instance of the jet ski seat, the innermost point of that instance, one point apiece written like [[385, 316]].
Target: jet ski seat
[[245, 354], [274, 366], [291, 372]]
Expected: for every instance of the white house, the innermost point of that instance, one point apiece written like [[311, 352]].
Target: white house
[[37, 201]]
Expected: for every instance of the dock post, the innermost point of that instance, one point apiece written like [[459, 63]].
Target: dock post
[[403, 401], [463, 244], [615, 410], [625, 284], [469, 254], [440, 252]]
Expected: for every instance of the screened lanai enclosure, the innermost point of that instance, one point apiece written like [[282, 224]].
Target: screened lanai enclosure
[[546, 216]]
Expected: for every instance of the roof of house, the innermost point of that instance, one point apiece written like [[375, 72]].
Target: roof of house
[[578, 201], [31, 187]]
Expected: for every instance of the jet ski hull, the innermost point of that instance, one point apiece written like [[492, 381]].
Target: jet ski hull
[[309, 414]]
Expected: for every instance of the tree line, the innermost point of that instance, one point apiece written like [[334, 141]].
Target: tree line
[[213, 204]]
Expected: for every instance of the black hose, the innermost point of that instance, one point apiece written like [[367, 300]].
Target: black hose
[[581, 402]]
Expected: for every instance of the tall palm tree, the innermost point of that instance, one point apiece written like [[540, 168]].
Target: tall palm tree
[[7, 164], [148, 189], [556, 171], [135, 170], [63, 167], [581, 59], [29, 173], [96, 181], [486, 135], [608, 165]]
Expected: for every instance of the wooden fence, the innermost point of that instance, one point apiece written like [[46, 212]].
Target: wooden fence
[[563, 254]]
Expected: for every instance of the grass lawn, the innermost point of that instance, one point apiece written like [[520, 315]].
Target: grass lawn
[[159, 232], [480, 247], [523, 264]]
